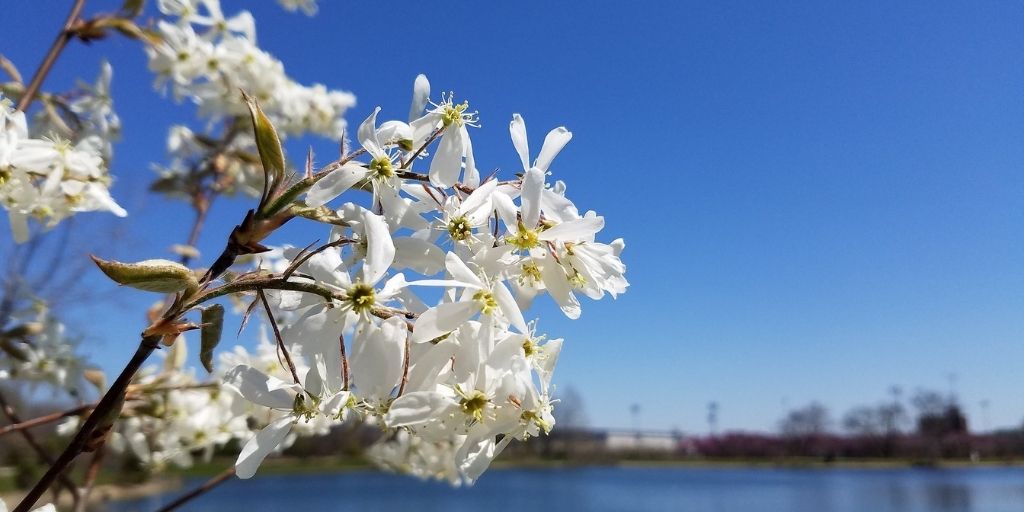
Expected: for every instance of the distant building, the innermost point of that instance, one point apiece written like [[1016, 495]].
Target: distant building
[[623, 440]]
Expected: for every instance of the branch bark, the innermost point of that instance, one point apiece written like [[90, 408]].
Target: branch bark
[[108, 406], [65, 35]]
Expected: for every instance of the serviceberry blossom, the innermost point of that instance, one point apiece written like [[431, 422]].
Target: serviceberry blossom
[[452, 371], [38, 351], [206, 57], [49, 172]]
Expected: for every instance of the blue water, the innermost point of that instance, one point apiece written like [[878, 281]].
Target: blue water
[[625, 490]]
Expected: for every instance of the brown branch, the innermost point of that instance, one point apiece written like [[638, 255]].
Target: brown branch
[[405, 368], [277, 334], [90, 478], [305, 257], [41, 452], [105, 409], [201, 204], [43, 420], [433, 136], [65, 35], [344, 362], [199, 491]]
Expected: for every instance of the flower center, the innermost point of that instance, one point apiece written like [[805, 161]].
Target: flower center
[[532, 417], [362, 297], [529, 347], [531, 273], [524, 239], [453, 114], [474, 405], [303, 408], [459, 229], [381, 168], [486, 301]]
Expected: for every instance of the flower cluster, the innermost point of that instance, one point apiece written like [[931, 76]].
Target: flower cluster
[[59, 165], [38, 352], [206, 57], [454, 382]]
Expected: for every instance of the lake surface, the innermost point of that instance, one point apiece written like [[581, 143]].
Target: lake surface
[[625, 490]]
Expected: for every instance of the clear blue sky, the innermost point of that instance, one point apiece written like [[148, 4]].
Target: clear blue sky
[[819, 199]]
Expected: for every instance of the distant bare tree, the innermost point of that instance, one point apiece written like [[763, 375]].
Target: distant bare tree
[[810, 420], [938, 415], [863, 421]]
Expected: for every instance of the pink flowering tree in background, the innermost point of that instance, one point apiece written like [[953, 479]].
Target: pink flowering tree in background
[[412, 316]]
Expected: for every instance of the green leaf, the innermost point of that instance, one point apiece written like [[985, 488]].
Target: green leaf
[[161, 276], [213, 325], [271, 152]]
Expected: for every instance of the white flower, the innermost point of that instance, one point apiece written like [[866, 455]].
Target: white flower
[[297, 403], [489, 297], [454, 146]]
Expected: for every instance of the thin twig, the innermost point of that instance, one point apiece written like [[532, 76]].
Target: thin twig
[[277, 334], [90, 478], [201, 205], [43, 420], [106, 408], [65, 35], [305, 257], [41, 452], [344, 362], [405, 368], [433, 136], [199, 491]]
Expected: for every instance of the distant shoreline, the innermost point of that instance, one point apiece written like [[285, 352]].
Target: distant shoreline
[[175, 480], [290, 465]]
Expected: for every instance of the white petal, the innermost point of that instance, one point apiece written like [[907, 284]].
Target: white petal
[[423, 128], [443, 319], [447, 162], [424, 371], [260, 388], [319, 330], [377, 357], [480, 197], [419, 255], [508, 306], [420, 95], [533, 184], [416, 408], [472, 175], [557, 284], [394, 132], [368, 134], [261, 445], [460, 271], [478, 458], [573, 230], [518, 130], [506, 209], [553, 144], [325, 266], [557, 207], [380, 251], [334, 184], [547, 367]]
